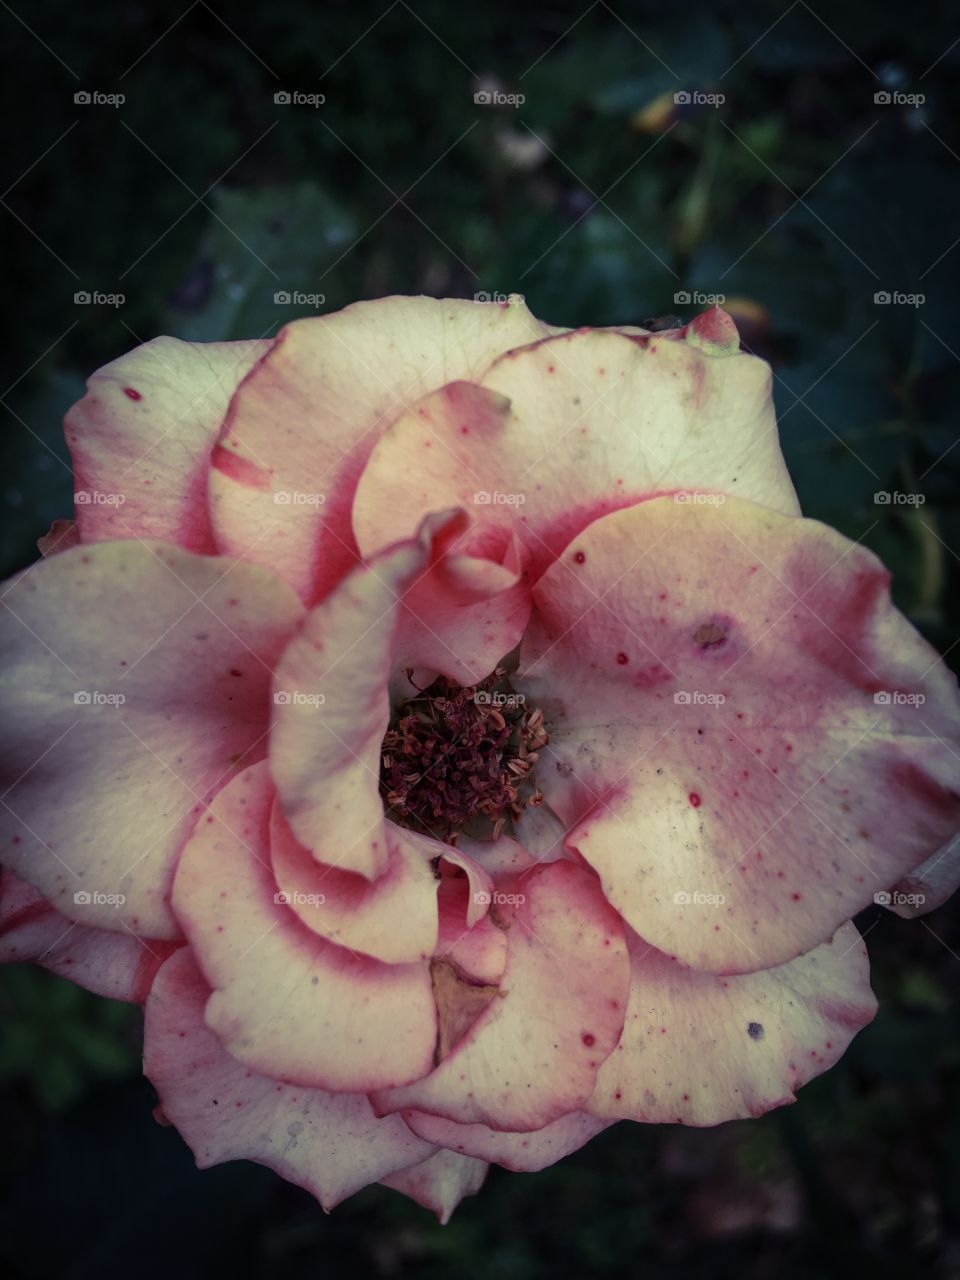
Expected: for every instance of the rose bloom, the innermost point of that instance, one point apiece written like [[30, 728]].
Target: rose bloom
[[448, 729]]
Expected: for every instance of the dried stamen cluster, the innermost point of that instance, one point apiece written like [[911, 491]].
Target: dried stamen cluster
[[453, 754]]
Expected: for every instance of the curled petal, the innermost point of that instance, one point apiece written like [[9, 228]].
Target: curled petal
[[699, 1049], [286, 1002], [142, 436], [302, 426], [570, 428], [332, 694], [330, 1143], [136, 682]]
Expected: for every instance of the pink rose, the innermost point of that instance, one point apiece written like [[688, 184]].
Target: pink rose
[[451, 732]]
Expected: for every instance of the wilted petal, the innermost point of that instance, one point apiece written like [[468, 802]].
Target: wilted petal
[[330, 1143]]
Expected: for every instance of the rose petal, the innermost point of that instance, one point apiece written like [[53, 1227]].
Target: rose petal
[[329, 1143], [708, 675], [700, 1049], [119, 966], [141, 439], [519, 1152], [61, 536], [928, 886], [286, 1002], [440, 1182], [100, 796], [331, 693], [302, 426], [533, 1053], [568, 429]]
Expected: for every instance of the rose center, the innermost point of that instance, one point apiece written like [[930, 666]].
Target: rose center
[[454, 755]]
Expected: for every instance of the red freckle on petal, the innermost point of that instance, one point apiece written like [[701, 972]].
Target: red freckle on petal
[[795, 897], [716, 928], [622, 659], [753, 568], [601, 372], [746, 773], [618, 1095], [686, 1097], [739, 715], [210, 818], [694, 799], [789, 747], [588, 1039], [235, 671], [134, 395], [551, 368], [663, 1031], [781, 874], [579, 557]]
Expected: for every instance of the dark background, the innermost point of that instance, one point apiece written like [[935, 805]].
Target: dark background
[[799, 198]]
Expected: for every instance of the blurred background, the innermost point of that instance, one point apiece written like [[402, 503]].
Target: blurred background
[[212, 172]]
